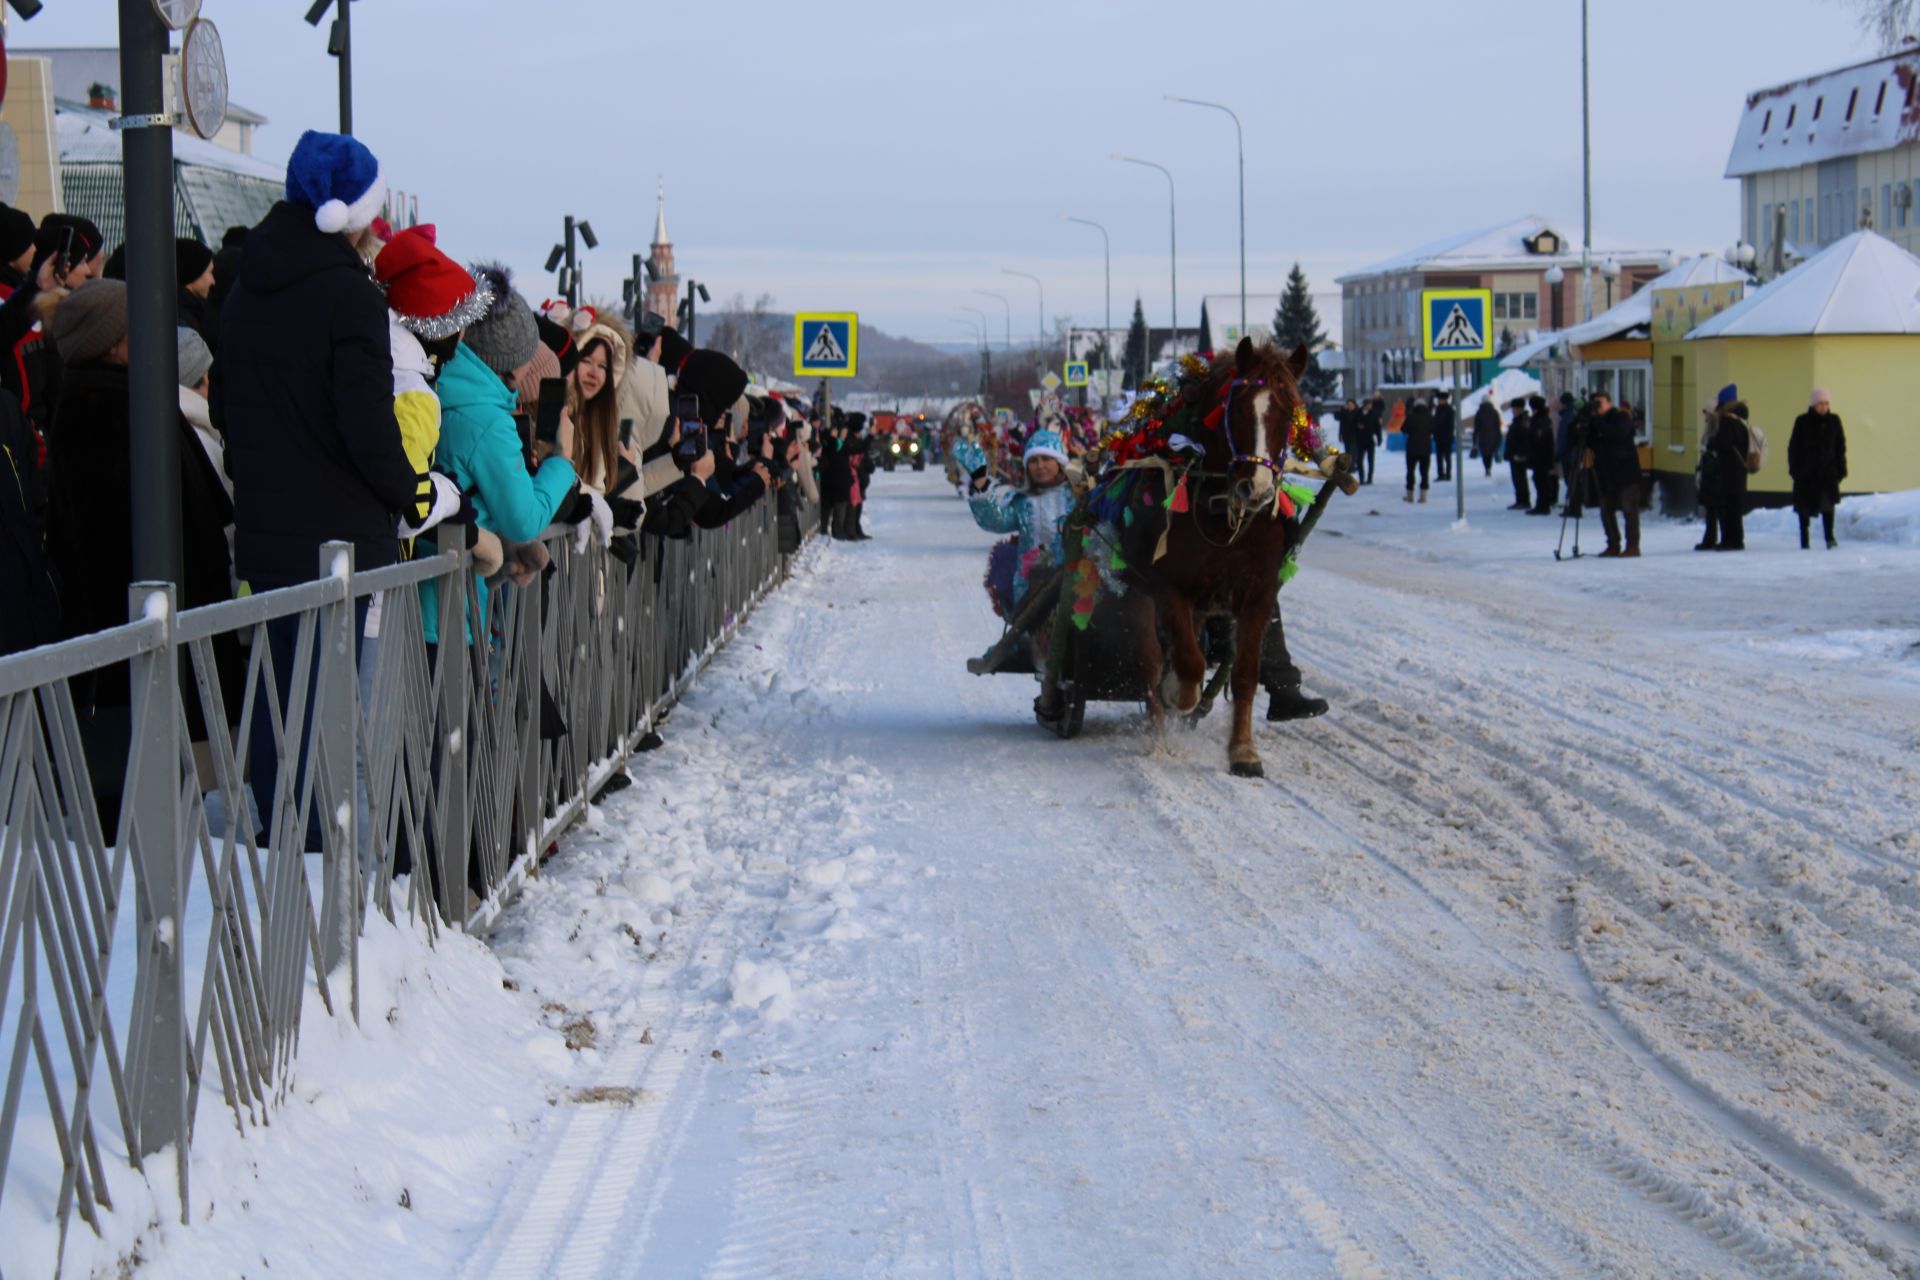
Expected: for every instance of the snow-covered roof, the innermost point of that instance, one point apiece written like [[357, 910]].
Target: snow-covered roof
[[86, 139], [1508, 387], [1863, 283], [1496, 248], [75, 70], [1871, 106], [1632, 312]]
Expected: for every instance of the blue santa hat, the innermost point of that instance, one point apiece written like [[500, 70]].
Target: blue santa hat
[[1728, 394], [1045, 444], [338, 178]]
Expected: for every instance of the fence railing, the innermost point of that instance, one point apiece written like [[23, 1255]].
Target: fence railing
[[200, 810]]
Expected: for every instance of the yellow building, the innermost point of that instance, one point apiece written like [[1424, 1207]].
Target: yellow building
[[1847, 320]]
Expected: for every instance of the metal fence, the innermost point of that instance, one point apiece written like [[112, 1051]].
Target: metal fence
[[125, 997]]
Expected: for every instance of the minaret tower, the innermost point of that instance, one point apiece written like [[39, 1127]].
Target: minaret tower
[[663, 291]]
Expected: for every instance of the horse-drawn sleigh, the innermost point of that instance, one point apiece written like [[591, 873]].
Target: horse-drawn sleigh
[[1174, 552]]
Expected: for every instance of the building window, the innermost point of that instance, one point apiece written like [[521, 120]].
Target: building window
[[1792, 111], [1886, 204], [1880, 99], [1818, 103], [1812, 232], [1793, 222], [1516, 306], [1767, 123], [1766, 226], [1853, 100]]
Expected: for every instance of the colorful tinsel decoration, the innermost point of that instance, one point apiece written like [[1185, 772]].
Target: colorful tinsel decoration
[[1085, 585]]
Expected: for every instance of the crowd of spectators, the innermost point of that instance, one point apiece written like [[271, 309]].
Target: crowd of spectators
[[344, 380]]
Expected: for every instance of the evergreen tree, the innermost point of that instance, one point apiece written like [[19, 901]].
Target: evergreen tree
[[1296, 324], [1133, 362]]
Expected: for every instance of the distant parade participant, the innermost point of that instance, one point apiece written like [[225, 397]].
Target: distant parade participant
[[1443, 426], [1731, 441], [1817, 461], [1370, 435], [1542, 457]]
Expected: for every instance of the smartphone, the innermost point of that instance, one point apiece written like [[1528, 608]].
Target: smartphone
[[626, 431], [546, 417], [686, 407], [693, 442]]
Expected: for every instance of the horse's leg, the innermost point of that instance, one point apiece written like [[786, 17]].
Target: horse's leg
[[1249, 628], [1182, 688], [1143, 620]]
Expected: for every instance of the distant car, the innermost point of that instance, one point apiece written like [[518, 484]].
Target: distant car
[[899, 449]]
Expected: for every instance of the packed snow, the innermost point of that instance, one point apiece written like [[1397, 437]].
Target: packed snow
[[1582, 937]]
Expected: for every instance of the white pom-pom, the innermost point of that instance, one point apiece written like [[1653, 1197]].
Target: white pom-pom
[[331, 216]]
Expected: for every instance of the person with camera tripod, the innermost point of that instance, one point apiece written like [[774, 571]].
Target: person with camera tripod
[[1616, 468]]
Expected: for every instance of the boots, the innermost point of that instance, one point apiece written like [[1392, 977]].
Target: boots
[[1408, 497], [1805, 541], [1423, 495], [1286, 702]]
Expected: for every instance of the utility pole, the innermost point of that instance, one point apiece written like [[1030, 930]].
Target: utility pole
[[1240, 149], [146, 148], [1173, 248]]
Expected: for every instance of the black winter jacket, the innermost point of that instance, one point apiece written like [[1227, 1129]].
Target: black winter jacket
[[1731, 440], [1817, 460], [1542, 450], [1443, 421], [1616, 458], [304, 397], [1486, 428], [1418, 429]]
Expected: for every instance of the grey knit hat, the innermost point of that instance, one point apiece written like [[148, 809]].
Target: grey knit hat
[[195, 359], [90, 320], [505, 337]]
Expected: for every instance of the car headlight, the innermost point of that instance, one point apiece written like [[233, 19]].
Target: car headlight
[[914, 447], [896, 446]]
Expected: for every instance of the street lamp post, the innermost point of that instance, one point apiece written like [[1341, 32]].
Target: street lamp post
[[1040, 334], [1586, 173], [565, 252], [1173, 243], [340, 45], [988, 293], [980, 332], [1240, 149], [1106, 334]]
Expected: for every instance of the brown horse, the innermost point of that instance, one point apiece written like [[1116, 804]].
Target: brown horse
[[1224, 555]]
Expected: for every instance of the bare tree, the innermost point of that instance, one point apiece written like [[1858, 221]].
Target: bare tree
[[1891, 23]]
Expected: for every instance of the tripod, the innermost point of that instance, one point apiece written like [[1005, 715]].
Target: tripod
[[1576, 502]]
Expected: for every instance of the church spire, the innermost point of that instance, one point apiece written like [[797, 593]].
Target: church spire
[[660, 218]]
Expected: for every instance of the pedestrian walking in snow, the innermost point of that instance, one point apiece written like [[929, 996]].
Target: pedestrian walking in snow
[[1444, 421], [1419, 437], [1486, 431], [1616, 469], [1817, 462]]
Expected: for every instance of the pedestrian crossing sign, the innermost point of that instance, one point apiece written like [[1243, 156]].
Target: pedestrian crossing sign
[[826, 344], [1076, 371], [1457, 324]]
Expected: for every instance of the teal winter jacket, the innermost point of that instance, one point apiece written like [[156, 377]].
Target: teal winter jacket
[[480, 449]]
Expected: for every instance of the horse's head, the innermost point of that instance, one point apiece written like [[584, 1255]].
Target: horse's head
[[1262, 394]]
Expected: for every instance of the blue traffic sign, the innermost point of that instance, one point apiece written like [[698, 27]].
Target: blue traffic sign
[[826, 344], [1456, 324]]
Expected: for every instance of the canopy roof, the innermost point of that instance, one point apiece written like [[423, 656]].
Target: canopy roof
[[1863, 283]]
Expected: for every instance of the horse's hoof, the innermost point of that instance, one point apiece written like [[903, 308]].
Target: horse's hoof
[[1247, 769]]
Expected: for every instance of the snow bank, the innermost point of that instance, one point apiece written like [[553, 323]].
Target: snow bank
[[1876, 517]]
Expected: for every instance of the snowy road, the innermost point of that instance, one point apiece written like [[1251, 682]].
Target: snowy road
[[1582, 938]]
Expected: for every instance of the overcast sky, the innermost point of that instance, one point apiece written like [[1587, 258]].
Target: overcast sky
[[892, 158]]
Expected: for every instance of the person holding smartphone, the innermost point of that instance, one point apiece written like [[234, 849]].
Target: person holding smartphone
[[593, 402]]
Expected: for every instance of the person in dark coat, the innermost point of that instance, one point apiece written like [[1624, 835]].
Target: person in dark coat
[[303, 396], [1616, 470], [1706, 471], [90, 513], [1418, 431], [1368, 440], [1817, 461], [1486, 431], [1518, 444], [1542, 458], [16, 248], [1731, 441], [1349, 420], [1444, 421]]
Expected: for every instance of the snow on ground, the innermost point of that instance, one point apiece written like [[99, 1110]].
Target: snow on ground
[[1581, 938]]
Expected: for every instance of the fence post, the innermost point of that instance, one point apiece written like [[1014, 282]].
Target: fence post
[[336, 702], [157, 1036]]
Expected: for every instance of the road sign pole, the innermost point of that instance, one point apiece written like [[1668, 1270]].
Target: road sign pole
[[1459, 449]]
